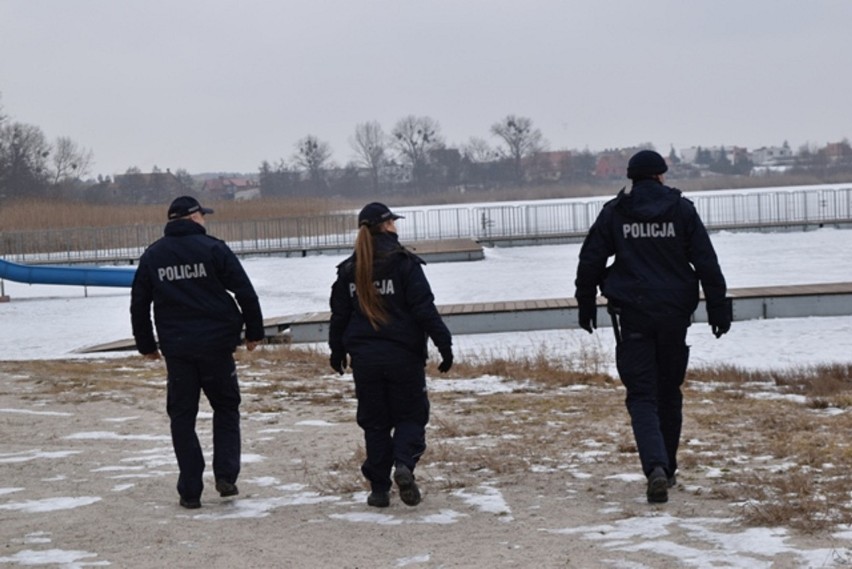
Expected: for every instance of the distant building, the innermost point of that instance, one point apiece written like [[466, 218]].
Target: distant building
[[611, 164], [393, 174], [838, 152], [224, 188], [706, 155], [772, 155], [688, 155]]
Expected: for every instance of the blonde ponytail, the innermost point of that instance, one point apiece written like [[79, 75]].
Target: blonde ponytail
[[369, 298]]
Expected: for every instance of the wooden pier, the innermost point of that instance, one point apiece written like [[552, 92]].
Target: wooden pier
[[754, 303], [433, 251]]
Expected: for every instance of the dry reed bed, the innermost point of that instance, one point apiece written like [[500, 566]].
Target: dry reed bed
[[30, 227], [777, 441], [53, 213], [22, 215]]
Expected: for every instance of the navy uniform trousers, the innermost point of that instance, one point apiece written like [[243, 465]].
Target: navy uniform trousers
[[393, 410], [651, 357], [216, 375]]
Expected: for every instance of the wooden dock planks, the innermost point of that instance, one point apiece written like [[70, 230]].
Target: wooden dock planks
[[829, 299]]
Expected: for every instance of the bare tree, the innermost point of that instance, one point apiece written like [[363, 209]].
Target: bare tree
[[520, 139], [277, 180], [131, 186], [69, 160], [370, 145], [185, 178], [313, 156], [414, 138], [23, 160], [478, 151], [479, 162]]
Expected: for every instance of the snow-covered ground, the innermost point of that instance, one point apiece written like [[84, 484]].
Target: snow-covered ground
[[46, 321]]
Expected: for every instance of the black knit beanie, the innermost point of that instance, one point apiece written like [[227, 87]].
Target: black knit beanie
[[646, 164]]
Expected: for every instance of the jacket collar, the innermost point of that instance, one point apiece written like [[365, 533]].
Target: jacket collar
[[386, 241], [180, 227]]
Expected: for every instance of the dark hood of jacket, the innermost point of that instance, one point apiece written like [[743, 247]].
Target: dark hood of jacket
[[386, 246], [647, 200], [180, 227]]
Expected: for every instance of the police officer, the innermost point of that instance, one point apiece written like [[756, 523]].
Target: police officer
[[187, 275], [662, 252], [382, 310]]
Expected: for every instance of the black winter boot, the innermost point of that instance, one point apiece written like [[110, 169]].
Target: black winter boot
[[409, 493], [658, 486]]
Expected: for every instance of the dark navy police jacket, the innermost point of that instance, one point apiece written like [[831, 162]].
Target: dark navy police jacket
[[661, 251], [187, 275], [408, 299]]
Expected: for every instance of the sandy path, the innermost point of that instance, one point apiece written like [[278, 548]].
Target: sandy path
[[88, 480]]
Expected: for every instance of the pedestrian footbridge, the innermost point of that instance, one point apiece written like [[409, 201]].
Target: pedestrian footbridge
[[753, 303]]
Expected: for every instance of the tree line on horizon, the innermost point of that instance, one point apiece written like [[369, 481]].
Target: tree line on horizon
[[413, 158]]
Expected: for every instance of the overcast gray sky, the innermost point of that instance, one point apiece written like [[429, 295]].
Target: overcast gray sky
[[215, 85]]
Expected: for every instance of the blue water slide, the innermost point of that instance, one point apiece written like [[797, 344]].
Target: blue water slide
[[61, 275]]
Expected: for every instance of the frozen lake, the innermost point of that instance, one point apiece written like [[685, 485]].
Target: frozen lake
[[52, 321]]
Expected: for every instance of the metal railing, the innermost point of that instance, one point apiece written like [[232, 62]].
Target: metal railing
[[550, 219]]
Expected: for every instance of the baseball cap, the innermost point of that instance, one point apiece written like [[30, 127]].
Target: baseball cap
[[376, 213], [186, 205]]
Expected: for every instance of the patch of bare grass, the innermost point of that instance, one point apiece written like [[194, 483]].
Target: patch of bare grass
[[825, 381], [726, 374], [447, 427], [781, 454], [799, 499], [585, 365], [825, 385], [457, 463], [341, 476], [294, 373], [73, 381]]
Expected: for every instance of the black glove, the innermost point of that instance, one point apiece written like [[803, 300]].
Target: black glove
[[587, 315], [338, 361], [446, 359], [720, 313]]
